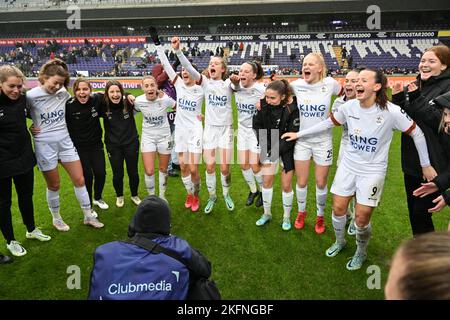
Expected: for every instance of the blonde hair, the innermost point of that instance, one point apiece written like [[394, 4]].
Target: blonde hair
[[442, 123], [320, 59], [7, 71], [149, 77], [52, 68]]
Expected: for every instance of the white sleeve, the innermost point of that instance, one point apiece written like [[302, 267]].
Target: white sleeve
[[318, 128], [165, 62], [188, 66], [421, 146], [336, 87], [169, 102]]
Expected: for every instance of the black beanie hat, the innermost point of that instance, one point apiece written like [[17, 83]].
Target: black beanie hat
[[152, 216], [443, 101]]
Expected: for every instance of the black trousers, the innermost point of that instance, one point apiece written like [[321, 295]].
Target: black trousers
[[419, 217], [24, 189], [130, 154], [94, 170]]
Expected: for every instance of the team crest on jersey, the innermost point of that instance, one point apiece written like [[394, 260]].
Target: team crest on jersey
[[379, 120], [323, 89], [357, 131]]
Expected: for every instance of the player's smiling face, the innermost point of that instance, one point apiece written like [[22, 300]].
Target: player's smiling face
[[216, 68], [114, 94], [150, 88], [83, 92], [53, 84], [311, 69], [350, 83], [430, 65], [366, 88], [187, 79], [12, 87], [246, 75]]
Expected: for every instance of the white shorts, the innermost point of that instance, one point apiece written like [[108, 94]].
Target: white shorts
[[162, 143], [188, 139], [217, 137], [246, 140], [321, 152], [368, 188], [48, 154]]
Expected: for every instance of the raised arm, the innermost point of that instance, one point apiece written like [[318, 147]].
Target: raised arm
[[162, 55], [183, 60]]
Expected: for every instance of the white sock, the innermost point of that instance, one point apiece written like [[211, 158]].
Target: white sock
[[339, 227], [267, 200], [301, 197], [321, 200], [211, 184], [259, 179], [226, 183], [249, 178], [196, 188], [288, 198], [187, 181], [162, 184], [150, 184], [83, 199], [53, 203], [362, 238]]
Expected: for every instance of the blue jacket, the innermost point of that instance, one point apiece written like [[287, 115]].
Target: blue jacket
[[124, 271]]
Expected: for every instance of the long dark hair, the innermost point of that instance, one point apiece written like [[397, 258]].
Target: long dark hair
[[283, 88], [381, 98], [108, 102]]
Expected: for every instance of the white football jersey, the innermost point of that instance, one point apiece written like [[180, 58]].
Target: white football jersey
[[313, 101], [336, 105], [154, 114], [48, 112], [246, 99], [189, 104], [218, 110], [370, 133]]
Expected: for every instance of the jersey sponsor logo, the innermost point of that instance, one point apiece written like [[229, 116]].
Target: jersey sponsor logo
[[379, 120], [366, 144], [187, 105], [248, 108], [52, 117], [312, 110], [217, 101], [154, 121]]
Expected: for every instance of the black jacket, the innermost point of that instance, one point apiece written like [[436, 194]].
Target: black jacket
[[16, 153], [119, 124], [281, 118], [417, 107], [83, 122]]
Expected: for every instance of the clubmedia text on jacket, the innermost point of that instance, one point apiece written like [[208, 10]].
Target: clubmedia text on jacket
[[118, 288]]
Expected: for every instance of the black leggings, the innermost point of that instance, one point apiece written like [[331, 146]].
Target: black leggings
[[24, 188], [419, 217], [93, 162], [130, 154]]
